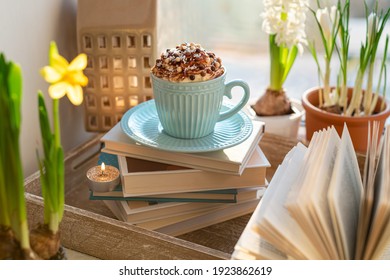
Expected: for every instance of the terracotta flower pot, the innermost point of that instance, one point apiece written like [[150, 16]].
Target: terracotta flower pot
[[317, 119]]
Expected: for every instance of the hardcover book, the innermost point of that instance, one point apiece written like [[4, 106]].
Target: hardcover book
[[231, 160], [227, 212], [155, 224], [319, 206], [179, 218], [146, 178], [136, 212], [166, 183], [214, 196]]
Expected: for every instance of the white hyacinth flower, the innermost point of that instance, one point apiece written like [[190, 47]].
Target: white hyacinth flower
[[286, 19]]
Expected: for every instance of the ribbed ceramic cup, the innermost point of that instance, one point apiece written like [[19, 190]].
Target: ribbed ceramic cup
[[191, 110]]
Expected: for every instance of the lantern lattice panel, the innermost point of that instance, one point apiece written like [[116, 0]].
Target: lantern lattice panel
[[120, 44]]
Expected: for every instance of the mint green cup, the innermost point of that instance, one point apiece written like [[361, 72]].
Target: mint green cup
[[191, 110]]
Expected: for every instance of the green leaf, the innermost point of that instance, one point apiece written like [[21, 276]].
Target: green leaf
[[61, 182], [313, 52], [46, 134], [52, 166], [275, 78], [46, 214], [15, 95], [381, 74], [12, 171], [4, 214], [51, 179], [292, 54]]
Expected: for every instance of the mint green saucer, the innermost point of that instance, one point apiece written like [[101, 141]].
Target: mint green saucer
[[142, 124]]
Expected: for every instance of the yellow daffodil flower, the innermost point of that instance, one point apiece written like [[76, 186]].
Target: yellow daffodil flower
[[64, 77]]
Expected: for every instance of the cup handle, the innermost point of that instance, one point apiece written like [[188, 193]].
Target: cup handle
[[228, 92]]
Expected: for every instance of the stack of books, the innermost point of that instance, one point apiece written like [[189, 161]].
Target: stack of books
[[176, 192]]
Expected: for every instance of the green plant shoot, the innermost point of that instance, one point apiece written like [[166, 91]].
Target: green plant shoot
[[375, 26], [65, 79], [13, 205], [51, 167], [282, 59]]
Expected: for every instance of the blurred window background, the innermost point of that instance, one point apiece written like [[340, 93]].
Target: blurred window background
[[232, 29]]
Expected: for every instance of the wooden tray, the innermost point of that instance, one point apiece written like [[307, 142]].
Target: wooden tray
[[90, 228]]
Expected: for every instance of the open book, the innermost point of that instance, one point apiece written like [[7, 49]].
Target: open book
[[318, 206]]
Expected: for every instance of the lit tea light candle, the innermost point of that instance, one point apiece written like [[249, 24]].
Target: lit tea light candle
[[103, 178]]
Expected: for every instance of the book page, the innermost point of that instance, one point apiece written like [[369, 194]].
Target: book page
[[317, 188], [345, 195], [265, 250], [309, 158], [275, 223], [251, 245], [368, 185], [250, 241], [298, 202], [381, 209], [382, 250]]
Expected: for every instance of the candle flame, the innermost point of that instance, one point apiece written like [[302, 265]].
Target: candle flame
[[103, 167]]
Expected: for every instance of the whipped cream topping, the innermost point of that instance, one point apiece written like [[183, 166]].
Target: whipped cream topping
[[188, 62]]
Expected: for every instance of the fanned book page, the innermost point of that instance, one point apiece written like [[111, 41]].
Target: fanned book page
[[344, 196], [378, 242], [251, 244], [317, 189], [311, 190], [370, 169], [275, 223]]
